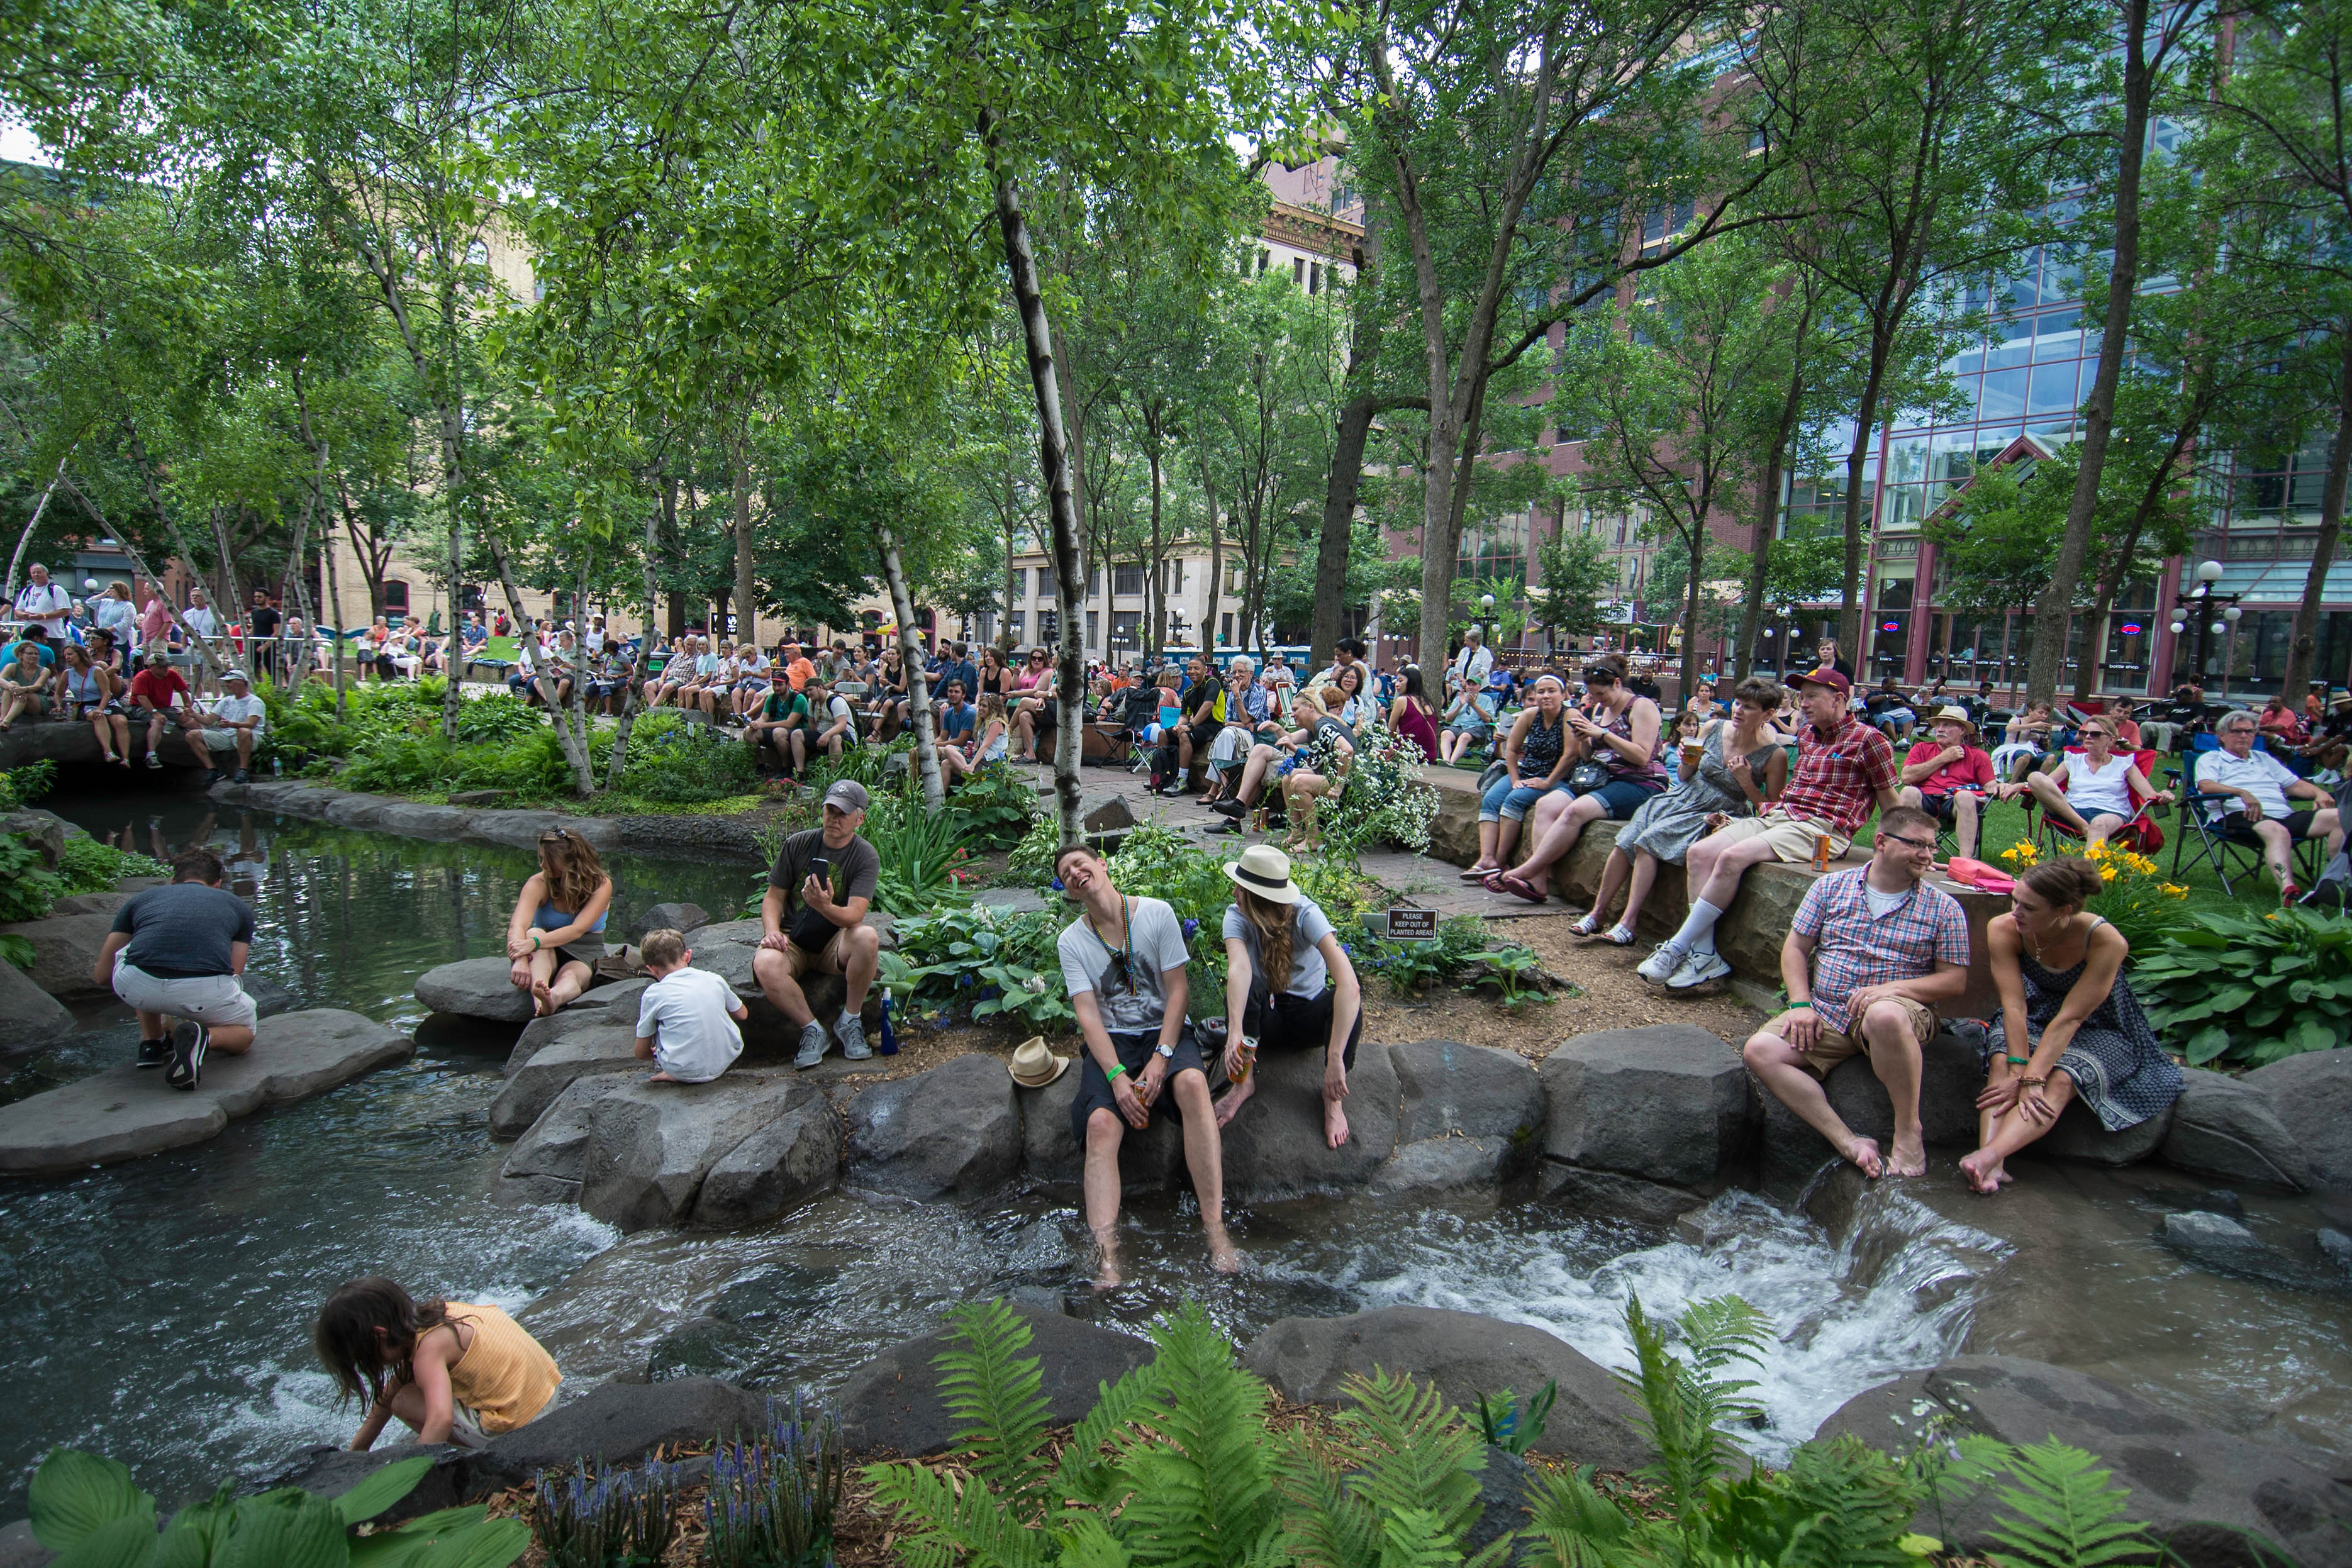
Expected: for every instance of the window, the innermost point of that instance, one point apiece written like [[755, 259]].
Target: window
[[1093, 582], [1126, 579], [1299, 270], [478, 255], [395, 598], [1125, 624], [1313, 278], [1094, 627], [1020, 583], [1225, 630], [1496, 548]]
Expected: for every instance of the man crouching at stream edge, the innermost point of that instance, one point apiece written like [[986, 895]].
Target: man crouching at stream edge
[[1123, 960]]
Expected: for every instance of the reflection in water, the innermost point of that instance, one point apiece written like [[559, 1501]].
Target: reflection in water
[[163, 1307]]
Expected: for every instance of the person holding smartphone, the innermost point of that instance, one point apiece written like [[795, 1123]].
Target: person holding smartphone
[[1123, 960], [813, 922]]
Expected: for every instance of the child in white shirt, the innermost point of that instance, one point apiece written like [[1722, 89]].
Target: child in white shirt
[[686, 1018]]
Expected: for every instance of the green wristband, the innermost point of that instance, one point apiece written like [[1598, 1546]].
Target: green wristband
[[2019, 1061], [1114, 1071]]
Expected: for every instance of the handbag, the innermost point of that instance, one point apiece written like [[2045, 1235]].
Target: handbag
[[1586, 777], [1496, 771]]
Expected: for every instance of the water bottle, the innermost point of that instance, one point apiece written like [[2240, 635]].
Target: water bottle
[[889, 1042], [277, 768]]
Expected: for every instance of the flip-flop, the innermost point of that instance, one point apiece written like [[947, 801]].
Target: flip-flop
[[1475, 873], [1516, 886]]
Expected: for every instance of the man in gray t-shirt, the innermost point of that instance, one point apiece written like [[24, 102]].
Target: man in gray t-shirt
[[1123, 960], [813, 922], [177, 951]]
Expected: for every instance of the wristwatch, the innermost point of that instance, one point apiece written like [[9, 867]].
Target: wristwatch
[[1167, 1053]]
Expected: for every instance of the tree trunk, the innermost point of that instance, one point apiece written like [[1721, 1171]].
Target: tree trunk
[[296, 661], [1006, 641], [574, 742], [1852, 588], [2057, 599], [24, 539], [1053, 456], [454, 697], [1694, 592], [902, 605], [1339, 485], [1155, 588], [746, 597], [2331, 522], [335, 602], [1210, 636], [629, 694]]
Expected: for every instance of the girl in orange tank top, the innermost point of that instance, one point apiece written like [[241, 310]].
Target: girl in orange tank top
[[455, 1372]]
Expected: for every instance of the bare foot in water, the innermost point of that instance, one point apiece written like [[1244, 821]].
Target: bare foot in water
[[1107, 1274], [1335, 1122], [542, 1000], [1234, 1099], [1223, 1255], [1985, 1175], [1863, 1152], [1910, 1156]]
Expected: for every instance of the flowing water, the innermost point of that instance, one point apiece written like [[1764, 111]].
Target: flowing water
[[163, 1306]]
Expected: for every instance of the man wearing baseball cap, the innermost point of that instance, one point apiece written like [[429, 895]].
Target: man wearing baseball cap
[[813, 922], [1947, 777], [1844, 770], [234, 724]]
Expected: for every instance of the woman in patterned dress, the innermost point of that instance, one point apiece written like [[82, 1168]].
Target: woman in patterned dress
[[2069, 1026]]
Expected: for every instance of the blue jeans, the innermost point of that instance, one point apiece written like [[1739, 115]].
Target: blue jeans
[[1506, 802]]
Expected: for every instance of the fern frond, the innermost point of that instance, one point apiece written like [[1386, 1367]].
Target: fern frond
[[1853, 1504], [947, 1526], [1204, 1484], [1416, 1537], [1327, 1522], [994, 1393], [1086, 1474], [1088, 1543], [1413, 1450], [1722, 1330], [1574, 1525], [2070, 1517], [1686, 1408]]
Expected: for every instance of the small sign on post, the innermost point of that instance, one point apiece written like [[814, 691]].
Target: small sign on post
[[1413, 926]]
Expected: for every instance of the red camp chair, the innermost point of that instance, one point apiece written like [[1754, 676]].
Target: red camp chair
[[2141, 835]]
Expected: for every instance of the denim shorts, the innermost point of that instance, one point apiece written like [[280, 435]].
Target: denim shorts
[[1623, 796], [1504, 801]]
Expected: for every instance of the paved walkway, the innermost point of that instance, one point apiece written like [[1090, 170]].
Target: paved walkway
[[1425, 881]]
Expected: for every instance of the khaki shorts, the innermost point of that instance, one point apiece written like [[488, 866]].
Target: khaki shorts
[[799, 960], [1791, 837], [216, 1001], [1832, 1046]]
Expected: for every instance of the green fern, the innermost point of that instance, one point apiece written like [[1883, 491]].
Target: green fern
[[1685, 1404], [1405, 1452], [1416, 1537], [1197, 1457], [947, 1526], [994, 1393], [1328, 1524], [2071, 1517], [1575, 1527]]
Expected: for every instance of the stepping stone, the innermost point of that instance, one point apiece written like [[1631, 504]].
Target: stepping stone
[[123, 1112]]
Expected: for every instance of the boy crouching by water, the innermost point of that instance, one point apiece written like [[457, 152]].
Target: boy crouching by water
[[453, 1371], [687, 1019]]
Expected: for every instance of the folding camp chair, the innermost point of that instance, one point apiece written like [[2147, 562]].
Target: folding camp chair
[[2208, 839], [2141, 835]]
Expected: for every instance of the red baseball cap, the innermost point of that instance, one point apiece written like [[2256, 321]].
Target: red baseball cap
[[1826, 677]]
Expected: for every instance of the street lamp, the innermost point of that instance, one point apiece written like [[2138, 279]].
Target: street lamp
[[1486, 600], [2198, 602]]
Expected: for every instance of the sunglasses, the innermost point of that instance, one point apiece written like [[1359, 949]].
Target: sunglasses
[[557, 836]]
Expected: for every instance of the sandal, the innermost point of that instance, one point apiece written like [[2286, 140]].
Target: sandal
[[1588, 926], [1620, 935], [1478, 872], [1516, 886]]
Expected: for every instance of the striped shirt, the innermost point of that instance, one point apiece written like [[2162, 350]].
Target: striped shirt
[[1837, 778], [1853, 949]]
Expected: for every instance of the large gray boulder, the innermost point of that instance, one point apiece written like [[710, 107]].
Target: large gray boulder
[[618, 1423], [650, 1144], [19, 1550], [1447, 1165], [599, 1005], [1666, 1104], [1275, 1147], [575, 1043], [1446, 1088], [1148, 1161], [2311, 1095], [30, 1019], [892, 1403], [1610, 1195], [105, 903], [1465, 1355], [548, 1162], [2194, 1485], [787, 1162], [2079, 1136], [951, 1131], [65, 950], [123, 1113], [474, 987], [1950, 1079], [682, 918], [2225, 1127], [45, 831]]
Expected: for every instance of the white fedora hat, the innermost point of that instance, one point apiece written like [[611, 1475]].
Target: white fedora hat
[[1033, 1066], [1265, 871]]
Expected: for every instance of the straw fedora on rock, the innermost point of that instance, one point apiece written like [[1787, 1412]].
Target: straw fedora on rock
[[1033, 1066], [1265, 871]]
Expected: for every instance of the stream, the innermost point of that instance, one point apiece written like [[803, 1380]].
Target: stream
[[164, 1305]]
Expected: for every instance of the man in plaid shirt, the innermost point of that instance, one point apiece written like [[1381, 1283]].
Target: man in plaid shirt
[[1845, 769], [1869, 955]]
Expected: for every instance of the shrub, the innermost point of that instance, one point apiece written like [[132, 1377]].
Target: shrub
[[27, 888], [22, 785], [610, 1518], [1384, 802], [85, 866], [85, 1509], [993, 808], [2249, 990], [920, 851], [985, 959], [677, 762]]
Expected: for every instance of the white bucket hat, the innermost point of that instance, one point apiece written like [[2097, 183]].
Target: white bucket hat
[[1265, 871]]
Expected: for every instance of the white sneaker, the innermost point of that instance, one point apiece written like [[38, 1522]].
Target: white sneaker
[[1662, 961], [1697, 970]]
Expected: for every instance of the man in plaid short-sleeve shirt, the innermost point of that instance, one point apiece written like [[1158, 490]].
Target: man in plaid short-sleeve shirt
[[1869, 955], [1845, 769]]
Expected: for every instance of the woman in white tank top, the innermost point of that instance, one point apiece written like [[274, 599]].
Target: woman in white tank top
[[2095, 791]]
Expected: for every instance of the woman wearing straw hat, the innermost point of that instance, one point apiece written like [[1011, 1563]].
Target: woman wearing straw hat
[[1947, 777], [1287, 983]]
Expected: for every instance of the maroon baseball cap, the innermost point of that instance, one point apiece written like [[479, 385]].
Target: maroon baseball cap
[[1826, 677]]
